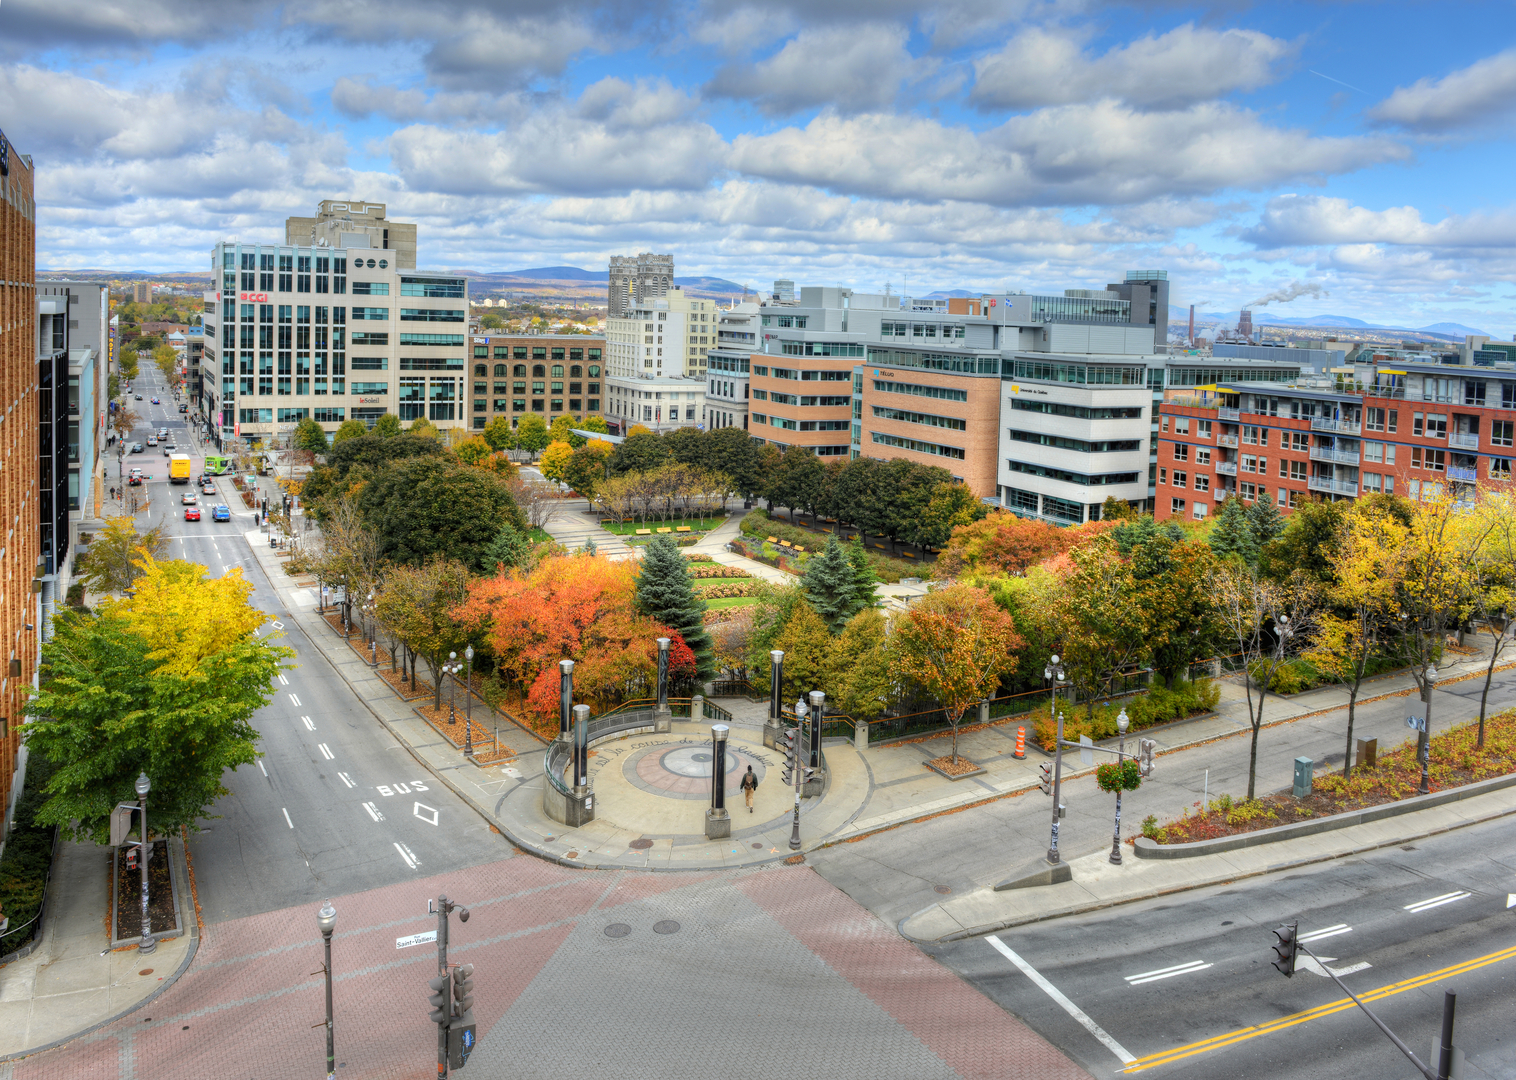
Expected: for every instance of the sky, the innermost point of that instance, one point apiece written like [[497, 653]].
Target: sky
[[1356, 154]]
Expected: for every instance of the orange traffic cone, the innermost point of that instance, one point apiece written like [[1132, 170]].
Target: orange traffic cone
[[1021, 742]]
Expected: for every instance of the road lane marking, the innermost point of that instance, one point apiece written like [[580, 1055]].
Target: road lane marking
[[1318, 966], [261, 768], [1165, 973], [1510, 900], [326, 752], [346, 779], [308, 725], [1178, 1053], [287, 818], [1330, 931], [1436, 901], [422, 806], [407, 855], [296, 700], [1068, 1006], [373, 813], [283, 680]]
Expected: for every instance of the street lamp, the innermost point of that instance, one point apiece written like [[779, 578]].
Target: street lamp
[[1122, 723], [468, 702], [1054, 673], [451, 666], [326, 920], [373, 631], [147, 944], [1424, 740]]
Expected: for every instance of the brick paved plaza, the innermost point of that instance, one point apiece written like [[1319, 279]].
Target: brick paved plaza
[[770, 972]]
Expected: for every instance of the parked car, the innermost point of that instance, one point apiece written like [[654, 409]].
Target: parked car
[[221, 512], [192, 513], [136, 448], [189, 499]]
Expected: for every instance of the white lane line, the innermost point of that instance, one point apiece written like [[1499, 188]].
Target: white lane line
[[261, 768], [283, 680], [1069, 1007], [326, 752], [346, 779], [308, 725], [1330, 931], [410, 860], [296, 700], [287, 818], [373, 812], [1437, 901], [1165, 973]]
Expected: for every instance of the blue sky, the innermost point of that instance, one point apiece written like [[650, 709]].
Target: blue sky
[[1355, 153]]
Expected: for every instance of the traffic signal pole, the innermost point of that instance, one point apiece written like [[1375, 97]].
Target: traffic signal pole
[[442, 910]]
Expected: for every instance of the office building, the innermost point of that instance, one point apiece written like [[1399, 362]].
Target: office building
[[80, 362], [634, 281], [659, 402], [20, 558], [354, 224], [548, 374], [672, 336], [729, 366], [1147, 291], [332, 334], [784, 291]]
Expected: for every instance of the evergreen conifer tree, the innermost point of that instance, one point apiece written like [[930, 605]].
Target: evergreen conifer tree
[[1264, 521], [509, 548], [1231, 536], [829, 585], [664, 592], [864, 578]]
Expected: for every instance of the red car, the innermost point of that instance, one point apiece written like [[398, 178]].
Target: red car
[[192, 513]]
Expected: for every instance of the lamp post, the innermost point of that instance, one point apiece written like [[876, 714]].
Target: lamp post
[[1054, 674], [1424, 740], [326, 920], [450, 666], [373, 630], [1122, 723], [468, 701], [147, 944]]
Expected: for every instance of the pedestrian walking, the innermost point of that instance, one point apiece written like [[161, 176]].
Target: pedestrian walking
[[749, 787]]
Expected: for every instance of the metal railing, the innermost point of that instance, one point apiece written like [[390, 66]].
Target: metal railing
[[1228, 414], [1456, 472], [1220, 493], [1326, 423], [1227, 440], [1342, 457], [1335, 487], [1392, 392], [1467, 439], [1227, 468]]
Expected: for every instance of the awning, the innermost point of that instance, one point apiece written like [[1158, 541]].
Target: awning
[[1387, 371]]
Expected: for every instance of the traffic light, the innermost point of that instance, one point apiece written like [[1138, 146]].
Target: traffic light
[[1045, 777], [1146, 749], [438, 999], [1285, 948], [461, 1031]]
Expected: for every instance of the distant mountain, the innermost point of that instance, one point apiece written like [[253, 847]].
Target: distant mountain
[[952, 294], [1455, 328], [709, 285], [554, 273]]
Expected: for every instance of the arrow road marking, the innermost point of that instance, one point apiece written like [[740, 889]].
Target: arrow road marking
[[1330, 931], [308, 725], [373, 813], [346, 779], [1510, 900], [1436, 901], [1166, 973], [429, 820], [1318, 966], [1069, 1007], [326, 752], [406, 854]]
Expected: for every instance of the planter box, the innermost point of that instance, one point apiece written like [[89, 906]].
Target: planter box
[[976, 771], [131, 932]]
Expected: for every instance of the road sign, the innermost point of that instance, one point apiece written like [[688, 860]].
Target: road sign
[[415, 939], [121, 823], [1416, 723]]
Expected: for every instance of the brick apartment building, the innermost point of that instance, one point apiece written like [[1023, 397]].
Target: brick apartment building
[[548, 374], [19, 500]]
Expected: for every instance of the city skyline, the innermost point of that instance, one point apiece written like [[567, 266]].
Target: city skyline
[[1017, 145]]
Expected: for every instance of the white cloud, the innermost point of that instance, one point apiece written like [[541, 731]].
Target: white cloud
[[648, 103], [1182, 67], [1477, 93], [361, 98], [847, 68], [1309, 220]]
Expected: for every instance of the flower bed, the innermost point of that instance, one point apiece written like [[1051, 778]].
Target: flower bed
[[1454, 762], [716, 570], [718, 590], [1156, 706]]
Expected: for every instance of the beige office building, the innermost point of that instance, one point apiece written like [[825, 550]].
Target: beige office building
[[353, 223]]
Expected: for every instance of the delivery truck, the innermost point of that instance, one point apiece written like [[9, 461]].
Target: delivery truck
[[179, 469]]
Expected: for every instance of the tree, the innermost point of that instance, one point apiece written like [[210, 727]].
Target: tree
[[664, 593], [642, 452], [417, 602], [510, 548], [499, 434], [585, 471], [350, 550], [350, 429], [1114, 509], [1173, 583], [474, 451], [310, 436], [531, 433], [1495, 586], [1366, 563], [865, 581], [798, 480], [428, 506], [537, 500], [732, 451], [957, 644], [361, 459], [1231, 537], [595, 423], [114, 560], [1265, 521], [554, 460], [387, 426], [424, 428], [808, 652], [1099, 620], [124, 421], [129, 364], [830, 586], [562, 430], [947, 507], [165, 683], [862, 683]]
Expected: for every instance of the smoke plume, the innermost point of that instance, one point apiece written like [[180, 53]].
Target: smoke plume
[[1294, 289]]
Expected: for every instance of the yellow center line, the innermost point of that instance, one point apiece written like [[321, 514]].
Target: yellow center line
[[1243, 1034]]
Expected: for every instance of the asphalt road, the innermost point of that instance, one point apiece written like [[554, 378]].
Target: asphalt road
[[1176, 985], [897, 873], [335, 806]]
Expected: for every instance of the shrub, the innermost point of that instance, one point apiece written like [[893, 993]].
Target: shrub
[[720, 590], [1150, 827], [1291, 677], [716, 570], [697, 557], [1157, 706], [28, 855], [75, 596]]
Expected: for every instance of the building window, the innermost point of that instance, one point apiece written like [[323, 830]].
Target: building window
[[1176, 507], [1180, 479], [1181, 451]]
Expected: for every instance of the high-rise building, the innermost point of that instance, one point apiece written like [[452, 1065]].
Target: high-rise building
[[74, 348], [635, 280], [729, 366], [784, 291], [20, 561], [1147, 291], [551, 374], [142, 292], [1245, 325], [354, 223]]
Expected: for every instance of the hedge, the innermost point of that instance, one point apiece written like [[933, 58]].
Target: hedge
[[1156, 706], [27, 859]]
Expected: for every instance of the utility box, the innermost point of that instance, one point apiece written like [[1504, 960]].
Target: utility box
[[1368, 753], [1303, 768]]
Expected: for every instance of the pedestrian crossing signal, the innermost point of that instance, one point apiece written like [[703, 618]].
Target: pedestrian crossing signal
[[1045, 777]]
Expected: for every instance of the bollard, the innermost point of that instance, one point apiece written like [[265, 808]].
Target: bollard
[[1020, 743]]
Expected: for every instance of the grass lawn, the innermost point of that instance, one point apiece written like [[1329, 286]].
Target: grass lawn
[[629, 528], [731, 602], [538, 536]]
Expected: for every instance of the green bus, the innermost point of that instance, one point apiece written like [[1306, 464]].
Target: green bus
[[216, 465]]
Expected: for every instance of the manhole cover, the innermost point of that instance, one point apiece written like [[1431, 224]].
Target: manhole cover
[[794, 860], [641, 845], [145, 971], [572, 855], [617, 929], [943, 889], [757, 847], [665, 926]]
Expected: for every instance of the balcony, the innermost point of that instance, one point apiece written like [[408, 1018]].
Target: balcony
[[1341, 427], [1220, 493], [1334, 487], [1229, 414], [1393, 392], [1227, 440], [1227, 468], [1457, 472], [1341, 457], [1467, 440]]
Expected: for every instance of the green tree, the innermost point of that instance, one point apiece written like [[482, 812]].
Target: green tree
[[350, 429], [421, 427], [531, 433], [562, 430], [510, 548], [1114, 509], [114, 560], [798, 481], [808, 651], [424, 507], [165, 684], [585, 471], [664, 592], [1265, 521], [642, 452], [417, 604], [310, 436], [1100, 620], [387, 426], [554, 460], [732, 451], [830, 586], [947, 507], [128, 364], [862, 682], [1307, 541], [596, 423], [499, 434], [1173, 583], [865, 581], [1231, 537]]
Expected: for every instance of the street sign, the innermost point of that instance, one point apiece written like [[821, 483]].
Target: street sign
[[1086, 751], [121, 823], [1416, 723], [415, 939]]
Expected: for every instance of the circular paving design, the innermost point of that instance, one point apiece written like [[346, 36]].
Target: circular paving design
[[683, 771]]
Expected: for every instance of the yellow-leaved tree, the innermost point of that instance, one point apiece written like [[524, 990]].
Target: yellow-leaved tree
[[555, 460]]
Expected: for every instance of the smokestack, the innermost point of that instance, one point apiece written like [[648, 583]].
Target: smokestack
[[1192, 326]]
